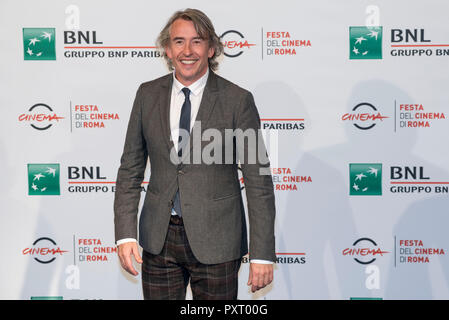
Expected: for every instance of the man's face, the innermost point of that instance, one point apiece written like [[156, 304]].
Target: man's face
[[188, 52]]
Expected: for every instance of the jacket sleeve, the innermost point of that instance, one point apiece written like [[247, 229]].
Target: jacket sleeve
[[130, 174], [258, 182]]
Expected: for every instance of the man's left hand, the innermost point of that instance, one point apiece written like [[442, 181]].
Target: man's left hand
[[260, 275]]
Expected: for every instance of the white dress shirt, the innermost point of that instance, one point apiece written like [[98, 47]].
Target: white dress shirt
[[176, 102]]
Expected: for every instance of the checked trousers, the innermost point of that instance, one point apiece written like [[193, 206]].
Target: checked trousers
[[165, 276]]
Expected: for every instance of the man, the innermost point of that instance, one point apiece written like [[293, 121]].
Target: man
[[192, 226]]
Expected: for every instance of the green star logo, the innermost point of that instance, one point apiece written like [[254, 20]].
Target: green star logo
[[365, 179], [365, 42], [39, 44], [43, 180]]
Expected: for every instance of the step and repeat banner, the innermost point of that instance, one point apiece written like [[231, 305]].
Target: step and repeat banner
[[353, 96]]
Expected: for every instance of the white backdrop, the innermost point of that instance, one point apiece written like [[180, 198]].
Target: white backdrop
[[302, 62]]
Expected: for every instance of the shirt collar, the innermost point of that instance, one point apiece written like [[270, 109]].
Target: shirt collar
[[195, 87]]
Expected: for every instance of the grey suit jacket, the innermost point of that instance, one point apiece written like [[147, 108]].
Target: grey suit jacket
[[210, 194]]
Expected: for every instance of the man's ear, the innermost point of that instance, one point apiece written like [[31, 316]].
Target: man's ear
[[168, 52], [210, 52]]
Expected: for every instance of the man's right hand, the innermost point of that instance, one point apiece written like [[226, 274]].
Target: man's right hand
[[125, 251]]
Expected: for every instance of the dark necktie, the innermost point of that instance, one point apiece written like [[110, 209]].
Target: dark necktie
[[184, 123]]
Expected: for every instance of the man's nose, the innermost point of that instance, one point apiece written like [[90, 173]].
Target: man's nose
[[187, 50]]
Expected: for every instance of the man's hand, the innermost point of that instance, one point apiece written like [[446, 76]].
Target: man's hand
[[125, 251], [260, 275]]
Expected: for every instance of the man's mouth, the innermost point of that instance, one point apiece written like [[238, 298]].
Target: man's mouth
[[188, 61]]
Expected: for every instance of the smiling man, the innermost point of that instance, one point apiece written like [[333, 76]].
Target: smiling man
[[188, 52], [192, 226]]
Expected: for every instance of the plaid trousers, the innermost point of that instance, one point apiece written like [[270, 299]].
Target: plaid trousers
[[165, 276]]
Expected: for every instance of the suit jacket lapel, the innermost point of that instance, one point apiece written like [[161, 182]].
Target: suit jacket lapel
[[164, 109], [208, 100]]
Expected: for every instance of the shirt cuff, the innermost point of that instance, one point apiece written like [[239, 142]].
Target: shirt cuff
[[119, 242], [261, 261]]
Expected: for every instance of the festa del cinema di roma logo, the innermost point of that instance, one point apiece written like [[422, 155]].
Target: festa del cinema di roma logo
[[364, 251], [44, 250], [234, 43], [364, 116], [40, 117]]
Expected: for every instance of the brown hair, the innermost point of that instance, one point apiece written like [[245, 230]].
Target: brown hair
[[203, 27]]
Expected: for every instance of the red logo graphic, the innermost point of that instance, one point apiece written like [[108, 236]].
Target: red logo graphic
[[362, 253], [40, 115], [45, 253], [233, 44], [359, 118]]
